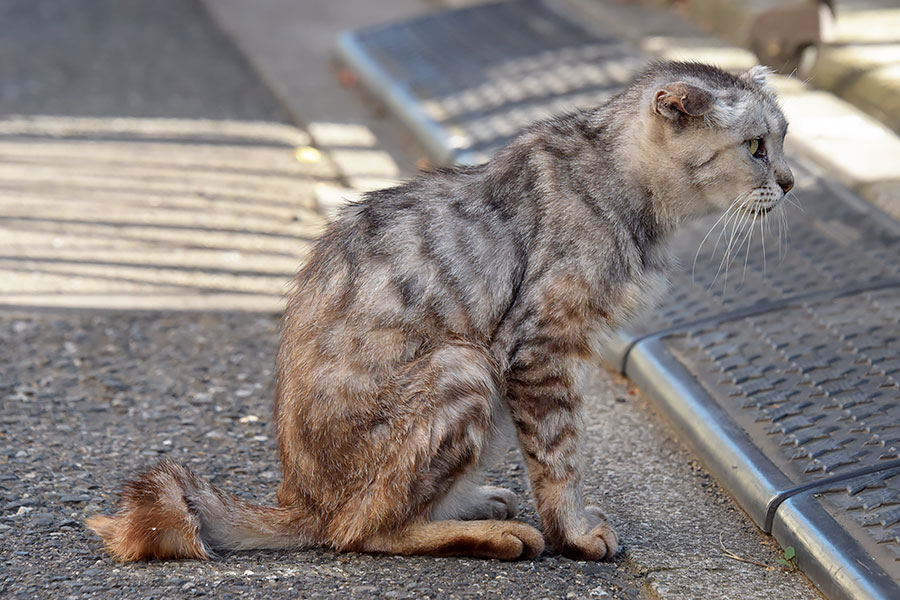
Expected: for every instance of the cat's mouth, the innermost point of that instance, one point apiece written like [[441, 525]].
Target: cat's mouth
[[761, 208]]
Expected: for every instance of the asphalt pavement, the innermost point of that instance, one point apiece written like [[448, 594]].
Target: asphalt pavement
[[158, 186]]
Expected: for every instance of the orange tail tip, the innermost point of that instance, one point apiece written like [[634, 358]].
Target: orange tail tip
[[155, 520], [127, 542]]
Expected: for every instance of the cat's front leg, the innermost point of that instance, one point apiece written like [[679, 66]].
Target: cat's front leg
[[546, 409]]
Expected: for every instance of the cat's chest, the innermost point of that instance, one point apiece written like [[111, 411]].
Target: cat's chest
[[638, 295]]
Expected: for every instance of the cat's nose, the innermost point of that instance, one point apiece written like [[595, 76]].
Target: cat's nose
[[786, 182]]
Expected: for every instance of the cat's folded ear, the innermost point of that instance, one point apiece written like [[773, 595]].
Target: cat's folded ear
[[680, 98]]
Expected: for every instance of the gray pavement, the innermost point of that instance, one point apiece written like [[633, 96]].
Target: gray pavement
[[108, 58], [119, 192]]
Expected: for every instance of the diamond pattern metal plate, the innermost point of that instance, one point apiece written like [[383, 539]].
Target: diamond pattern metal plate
[[814, 385], [776, 353], [784, 375], [467, 81]]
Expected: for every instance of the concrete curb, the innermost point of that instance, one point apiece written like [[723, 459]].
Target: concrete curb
[[860, 60], [868, 77]]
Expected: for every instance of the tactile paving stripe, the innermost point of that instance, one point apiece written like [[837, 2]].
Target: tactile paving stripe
[[852, 524], [872, 502], [816, 386], [813, 464], [798, 370]]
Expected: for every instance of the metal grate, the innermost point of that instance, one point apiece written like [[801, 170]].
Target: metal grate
[[469, 80], [872, 505], [815, 386]]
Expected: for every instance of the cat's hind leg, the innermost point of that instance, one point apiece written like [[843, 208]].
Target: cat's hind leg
[[504, 540], [446, 406], [468, 500]]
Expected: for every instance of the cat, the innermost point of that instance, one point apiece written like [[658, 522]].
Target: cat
[[432, 313]]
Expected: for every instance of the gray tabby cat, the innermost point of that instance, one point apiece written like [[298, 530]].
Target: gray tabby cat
[[432, 312]]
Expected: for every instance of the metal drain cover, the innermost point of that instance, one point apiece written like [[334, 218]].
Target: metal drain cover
[[787, 381], [467, 81], [782, 370]]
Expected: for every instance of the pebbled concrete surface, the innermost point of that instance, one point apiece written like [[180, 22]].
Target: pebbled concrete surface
[[90, 397]]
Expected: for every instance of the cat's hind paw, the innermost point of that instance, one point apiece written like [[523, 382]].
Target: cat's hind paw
[[529, 539], [498, 503], [472, 503]]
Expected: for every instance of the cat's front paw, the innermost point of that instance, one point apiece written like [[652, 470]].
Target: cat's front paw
[[600, 542]]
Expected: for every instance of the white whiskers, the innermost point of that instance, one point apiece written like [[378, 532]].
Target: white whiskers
[[763, 227], [723, 216], [733, 236], [737, 226], [793, 201]]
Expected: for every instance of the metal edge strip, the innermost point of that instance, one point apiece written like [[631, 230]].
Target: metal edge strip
[[398, 99], [829, 555], [775, 503], [825, 483], [726, 450], [616, 348], [756, 309]]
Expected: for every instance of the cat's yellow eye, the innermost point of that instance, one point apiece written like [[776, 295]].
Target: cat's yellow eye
[[753, 146]]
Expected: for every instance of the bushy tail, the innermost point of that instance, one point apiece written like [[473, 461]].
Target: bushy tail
[[169, 512]]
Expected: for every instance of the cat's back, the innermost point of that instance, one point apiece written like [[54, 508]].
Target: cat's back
[[435, 255]]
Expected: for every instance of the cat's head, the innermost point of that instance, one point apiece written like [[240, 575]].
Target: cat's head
[[716, 139]]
